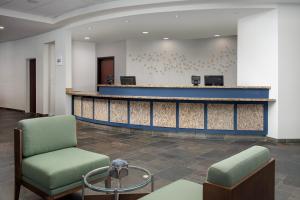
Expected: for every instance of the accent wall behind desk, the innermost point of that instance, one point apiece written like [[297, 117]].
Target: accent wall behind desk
[[217, 110]]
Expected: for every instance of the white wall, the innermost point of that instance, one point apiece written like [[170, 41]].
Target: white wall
[[289, 71], [268, 54], [118, 50], [174, 61], [258, 58], [13, 71], [84, 66]]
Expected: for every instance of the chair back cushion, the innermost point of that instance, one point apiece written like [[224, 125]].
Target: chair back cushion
[[233, 170], [46, 134]]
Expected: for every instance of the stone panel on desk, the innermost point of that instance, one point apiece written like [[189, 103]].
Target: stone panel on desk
[[220, 116], [140, 113], [77, 106], [87, 108], [118, 111], [101, 109], [250, 117], [164, 114], [191, 115]]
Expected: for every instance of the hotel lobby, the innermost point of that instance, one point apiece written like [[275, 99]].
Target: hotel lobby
[[149, 100]]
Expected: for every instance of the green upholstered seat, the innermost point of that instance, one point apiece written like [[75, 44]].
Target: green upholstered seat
[[178, 190], [51, 162], [232, 170], [60, 168], [41, 135]]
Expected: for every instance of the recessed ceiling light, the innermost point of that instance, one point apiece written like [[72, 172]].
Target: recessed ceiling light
[[2, 27], [217, 35], [126, 21], [87, 38], [145, 32], [165, 38]]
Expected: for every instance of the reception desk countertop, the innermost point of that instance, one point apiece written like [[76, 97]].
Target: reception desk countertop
[[97, 94], [183, 86]]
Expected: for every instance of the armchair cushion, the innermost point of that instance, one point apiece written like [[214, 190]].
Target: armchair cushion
[[62, 167], [178, 190], [42, 135], [232, 170]]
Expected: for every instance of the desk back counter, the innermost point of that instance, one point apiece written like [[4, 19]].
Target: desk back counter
[[216, 110]]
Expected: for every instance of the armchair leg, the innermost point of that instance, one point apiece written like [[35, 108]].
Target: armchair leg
[[17, 190], [108, 182]]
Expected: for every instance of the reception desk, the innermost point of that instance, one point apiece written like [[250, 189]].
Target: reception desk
[[216, 110]]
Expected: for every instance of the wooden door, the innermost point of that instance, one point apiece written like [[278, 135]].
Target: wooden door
[[32, 85], [106, 71]]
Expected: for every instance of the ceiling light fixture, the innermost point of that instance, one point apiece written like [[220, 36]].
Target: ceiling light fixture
[[145, 32], [2, 27], [217, 35], [165, 38], [126, 21], [176, 16], [87, 38]]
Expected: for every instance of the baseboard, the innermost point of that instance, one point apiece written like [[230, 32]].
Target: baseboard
[[37, 114], [23, 111], [284, 141], [13, 109], [41, 115]]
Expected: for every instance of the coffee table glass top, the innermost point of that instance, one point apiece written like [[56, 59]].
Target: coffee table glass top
[[137, 178]]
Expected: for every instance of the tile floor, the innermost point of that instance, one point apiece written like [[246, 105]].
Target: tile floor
[[168, 156]]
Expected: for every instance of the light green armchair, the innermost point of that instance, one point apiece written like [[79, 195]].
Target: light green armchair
[[47, 160], [248, 175]]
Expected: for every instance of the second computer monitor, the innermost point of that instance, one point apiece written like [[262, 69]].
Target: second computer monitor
[[214, 80], [128, 80]]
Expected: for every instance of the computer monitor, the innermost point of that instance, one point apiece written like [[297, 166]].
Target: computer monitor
[[196, 80], [127, 80], [214, 80]]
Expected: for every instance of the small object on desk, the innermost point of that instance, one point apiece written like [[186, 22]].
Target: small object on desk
[[119, 168], [196, 80], [110, 79]]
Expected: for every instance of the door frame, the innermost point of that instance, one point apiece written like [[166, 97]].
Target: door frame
[[99, 59], [29, 86]]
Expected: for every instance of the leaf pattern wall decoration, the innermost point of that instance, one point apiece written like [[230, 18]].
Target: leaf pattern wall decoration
[[173, 61]]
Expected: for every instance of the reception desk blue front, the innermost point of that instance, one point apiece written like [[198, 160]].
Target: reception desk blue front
[[211, 110]]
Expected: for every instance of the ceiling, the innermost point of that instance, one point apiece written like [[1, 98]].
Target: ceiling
[[174, 25], [25, 18], [17, 29], [48, 8]]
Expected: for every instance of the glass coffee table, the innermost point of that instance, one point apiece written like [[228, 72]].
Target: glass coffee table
[[118, 189]]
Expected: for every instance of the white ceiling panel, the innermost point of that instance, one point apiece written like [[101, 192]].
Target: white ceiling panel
[[48, 8], [188, 25], [23, 5], [20, 28], [60, 7]]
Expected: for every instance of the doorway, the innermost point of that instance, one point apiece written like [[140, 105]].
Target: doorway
[[32, 85], [106, 70]]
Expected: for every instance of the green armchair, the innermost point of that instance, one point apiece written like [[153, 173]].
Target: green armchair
[[47, 160], [249, 175]]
